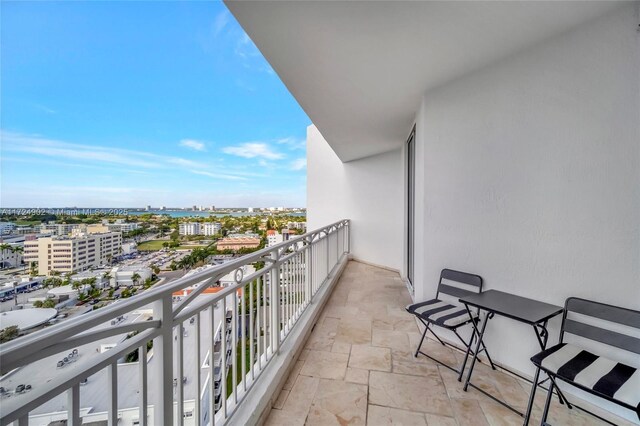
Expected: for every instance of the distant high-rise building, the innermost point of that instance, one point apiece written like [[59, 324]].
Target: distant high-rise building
[[250, 209], [148, 208], [212, 208]]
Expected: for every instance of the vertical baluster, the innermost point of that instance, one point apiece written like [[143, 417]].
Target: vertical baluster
[[211, 338], [73, 405], [259, 324], [23, 421], [223, 355], [196, 408], [251, 331], [234, 347], [142, 366], [180, 373], [112, 392], [265, 323], [243, 336]]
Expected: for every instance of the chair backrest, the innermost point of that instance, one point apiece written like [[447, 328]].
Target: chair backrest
[[626, 322], [458, 284]]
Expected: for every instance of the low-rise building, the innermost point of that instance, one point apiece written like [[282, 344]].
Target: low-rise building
[[7, 227], [60, 229], [120, 225], [238, 243], [123, 275], [11, 257]]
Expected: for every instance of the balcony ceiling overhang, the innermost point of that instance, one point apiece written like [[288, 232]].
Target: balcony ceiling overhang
[[359, 69]]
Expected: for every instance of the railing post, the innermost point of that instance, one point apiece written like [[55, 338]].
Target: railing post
[[274, 295], [348, 235], [163, 350], [308, 261]]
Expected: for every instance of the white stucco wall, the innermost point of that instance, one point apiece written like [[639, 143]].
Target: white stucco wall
[[367, 191], [529, 175]]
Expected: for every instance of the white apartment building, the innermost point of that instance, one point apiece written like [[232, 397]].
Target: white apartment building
[[189, 228], [7, 227], [10, 258], [69, 254], [273, 238], [197, 228], [59, 229], [121, 226], [210, 228]]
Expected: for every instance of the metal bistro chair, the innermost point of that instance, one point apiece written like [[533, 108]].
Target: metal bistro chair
[[449, 313], [611, 329]]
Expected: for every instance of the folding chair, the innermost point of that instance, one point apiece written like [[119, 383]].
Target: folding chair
[[449, 313]]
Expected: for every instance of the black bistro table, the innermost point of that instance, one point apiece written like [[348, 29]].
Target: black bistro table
[[535, 313]]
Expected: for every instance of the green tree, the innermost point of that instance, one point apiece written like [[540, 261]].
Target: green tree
[[9, 333], [135, 278]]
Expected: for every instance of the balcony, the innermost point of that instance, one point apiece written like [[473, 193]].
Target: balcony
[[357, 367], [343, 353]]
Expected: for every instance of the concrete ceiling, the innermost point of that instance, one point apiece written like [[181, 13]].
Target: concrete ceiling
[[359, 69]]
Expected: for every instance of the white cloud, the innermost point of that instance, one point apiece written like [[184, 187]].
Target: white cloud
[[105, 156], [193, 144], [253, 150], [221, 21], [293, 143], [299, 164], [217, 175]]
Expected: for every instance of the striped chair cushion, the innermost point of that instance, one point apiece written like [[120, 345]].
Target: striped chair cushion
[[441, 313], [601, 375]]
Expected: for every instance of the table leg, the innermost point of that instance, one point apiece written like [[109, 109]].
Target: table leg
[[543, 345], [475, 353]]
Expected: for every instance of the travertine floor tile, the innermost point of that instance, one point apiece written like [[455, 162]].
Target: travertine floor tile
[[285, 418], [356, 375], [354, 331], [389, 338], [468, 412], [301, 395], [370, 358], [497, 415], [293, 375], [338, 403], [413, 393], [325, 365], [382, 416], [341, 348], [435, 420]]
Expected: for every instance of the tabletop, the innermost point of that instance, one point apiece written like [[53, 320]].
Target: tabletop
[[515, 307]]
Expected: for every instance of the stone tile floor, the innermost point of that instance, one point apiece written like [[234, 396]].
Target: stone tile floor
[[358, 368]]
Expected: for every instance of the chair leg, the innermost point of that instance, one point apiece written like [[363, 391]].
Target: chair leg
[[547, 405], [426, 328]]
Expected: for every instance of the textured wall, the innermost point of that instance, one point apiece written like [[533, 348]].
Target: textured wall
[[531, 175], [367, 191]]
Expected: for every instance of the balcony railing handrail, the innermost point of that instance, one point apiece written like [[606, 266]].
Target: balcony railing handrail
[[72, 326], [293, 272]]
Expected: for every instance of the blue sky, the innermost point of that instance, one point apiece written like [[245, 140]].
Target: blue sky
[[125, 104]]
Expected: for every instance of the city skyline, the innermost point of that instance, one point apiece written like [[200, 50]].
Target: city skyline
[[102, 108]]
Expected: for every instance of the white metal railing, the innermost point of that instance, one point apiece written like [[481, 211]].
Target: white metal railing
[[191, 371]]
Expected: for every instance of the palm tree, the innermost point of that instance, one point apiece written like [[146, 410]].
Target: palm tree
[[135, 277], [5, 247]]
